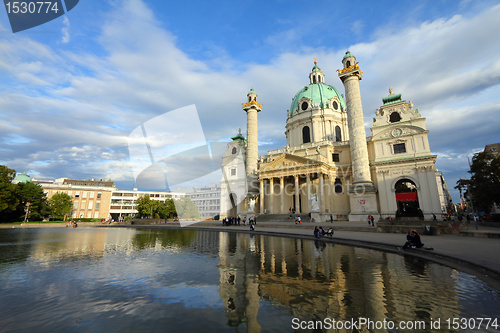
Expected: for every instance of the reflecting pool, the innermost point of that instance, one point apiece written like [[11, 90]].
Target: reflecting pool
[[151, 280]]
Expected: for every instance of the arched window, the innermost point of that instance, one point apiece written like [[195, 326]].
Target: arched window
[[233, 151], [338, 134], [348, 63], [306, 134], [249, 98], [395, 117], [314, 78], [338, 186]]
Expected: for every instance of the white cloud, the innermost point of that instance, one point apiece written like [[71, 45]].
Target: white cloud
[[65, 31]]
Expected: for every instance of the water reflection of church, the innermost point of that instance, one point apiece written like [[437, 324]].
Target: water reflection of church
[[329, 166], [317, 281]]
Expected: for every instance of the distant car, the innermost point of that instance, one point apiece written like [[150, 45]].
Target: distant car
[[486, 217]]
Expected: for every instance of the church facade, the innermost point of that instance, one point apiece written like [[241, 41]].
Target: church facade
[[329, 167]]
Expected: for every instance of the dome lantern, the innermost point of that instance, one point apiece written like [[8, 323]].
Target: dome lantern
[[316, 75]]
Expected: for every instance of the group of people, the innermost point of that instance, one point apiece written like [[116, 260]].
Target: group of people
[[413, 240], [371, 220], [320, 232], [236, 220], [72, 224], [231, 220]]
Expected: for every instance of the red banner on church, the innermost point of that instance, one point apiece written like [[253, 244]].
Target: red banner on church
[[409, 196]]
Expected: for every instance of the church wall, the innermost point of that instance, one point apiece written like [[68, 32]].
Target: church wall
[[321, 124], [421, 173]]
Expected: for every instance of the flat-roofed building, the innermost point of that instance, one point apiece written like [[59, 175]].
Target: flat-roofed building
[[207, 199], [123, 202], [91, 198]]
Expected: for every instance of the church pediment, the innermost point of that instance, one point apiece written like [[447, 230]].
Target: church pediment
[[395, 132], [287, 161]]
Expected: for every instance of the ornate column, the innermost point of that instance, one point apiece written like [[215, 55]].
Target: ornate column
[[308, 182], [282, 194], [252, 108], [261, 196], [321, 194], [297, 201], [362, 194], [271, 195]]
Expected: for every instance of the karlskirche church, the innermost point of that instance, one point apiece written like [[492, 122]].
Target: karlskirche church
[[329, 168]]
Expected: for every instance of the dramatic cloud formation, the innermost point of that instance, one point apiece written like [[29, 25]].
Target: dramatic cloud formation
[[67, 111]]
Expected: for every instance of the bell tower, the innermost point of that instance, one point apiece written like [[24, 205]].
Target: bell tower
[[362, 192]]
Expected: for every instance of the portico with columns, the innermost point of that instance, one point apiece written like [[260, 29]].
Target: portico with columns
[[292, 183]]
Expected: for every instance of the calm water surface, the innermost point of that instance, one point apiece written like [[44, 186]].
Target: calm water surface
[[128, 280]]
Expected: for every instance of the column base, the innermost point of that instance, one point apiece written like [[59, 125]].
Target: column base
[[363, 202], [316, 216]]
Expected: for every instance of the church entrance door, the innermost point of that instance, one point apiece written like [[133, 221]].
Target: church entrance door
[[407, 199]]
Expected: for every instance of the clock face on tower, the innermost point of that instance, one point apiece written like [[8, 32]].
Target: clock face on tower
[[397, 132]]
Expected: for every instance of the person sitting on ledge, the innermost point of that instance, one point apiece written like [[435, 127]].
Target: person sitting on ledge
[[413, 240], [317, 232]]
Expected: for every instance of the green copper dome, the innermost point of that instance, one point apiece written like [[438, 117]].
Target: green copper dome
[[22, 178], [318, 93], [348, 54]]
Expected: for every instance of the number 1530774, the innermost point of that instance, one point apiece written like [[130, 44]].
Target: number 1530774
[[31, 7]]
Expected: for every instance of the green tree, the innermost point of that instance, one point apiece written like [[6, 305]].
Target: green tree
[[144, 206], [186, 209], [154, 208], [484, 184], [8, 199], [60, 205], [32, 193], [168, 209]]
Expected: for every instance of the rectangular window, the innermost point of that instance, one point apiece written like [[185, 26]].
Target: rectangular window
[[233, 172], [335, 158], [75, 204], [96, 215], [91, 204], [84, 194], [399, 148], [99, 195], [91, 195], [83, 205]]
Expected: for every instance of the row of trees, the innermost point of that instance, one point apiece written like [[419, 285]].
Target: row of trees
[[184, 208], [28, 201], [484, 185]]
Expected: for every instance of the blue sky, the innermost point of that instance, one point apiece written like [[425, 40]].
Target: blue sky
[[73, 89]]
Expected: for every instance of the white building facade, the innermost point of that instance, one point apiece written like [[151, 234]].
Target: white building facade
[[329, 168]]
